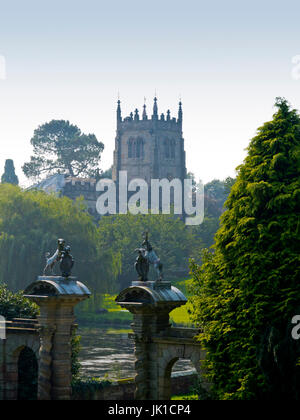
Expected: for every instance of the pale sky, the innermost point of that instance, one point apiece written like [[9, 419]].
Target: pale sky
[[68, 59]]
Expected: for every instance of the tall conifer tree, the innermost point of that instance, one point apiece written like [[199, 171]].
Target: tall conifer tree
[[248, 290], [9, 176]]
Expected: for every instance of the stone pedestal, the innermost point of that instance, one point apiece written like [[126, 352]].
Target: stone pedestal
[[150, 303], [56, 297]]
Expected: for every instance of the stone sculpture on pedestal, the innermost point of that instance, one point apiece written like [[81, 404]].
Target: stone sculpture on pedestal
[[56, 296], [62, 255], [147, 256]]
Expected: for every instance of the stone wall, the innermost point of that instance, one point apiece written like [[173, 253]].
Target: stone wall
[[86, 188], [71, 187], [181, 383], [25, 333], [19, 334], [153, 164], [158, 345]]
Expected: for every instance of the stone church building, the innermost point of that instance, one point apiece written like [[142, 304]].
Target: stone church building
[[149, 148], [146, 147]]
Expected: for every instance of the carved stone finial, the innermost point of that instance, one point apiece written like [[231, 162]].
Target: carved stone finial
[[119, 116], [155, 109], [136, 115], [180, 112], [144, 113]]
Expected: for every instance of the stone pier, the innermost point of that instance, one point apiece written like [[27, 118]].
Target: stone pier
[[56, 297], [158, 345]]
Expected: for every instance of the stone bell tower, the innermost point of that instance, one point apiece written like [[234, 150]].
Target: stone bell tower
[[149, 148]]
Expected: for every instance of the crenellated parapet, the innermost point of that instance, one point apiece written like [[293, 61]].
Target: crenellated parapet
[[160, 124], [164, 121]]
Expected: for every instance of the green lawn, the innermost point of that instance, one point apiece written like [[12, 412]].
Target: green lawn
[[185, 397], [180, 315], [118, 316]]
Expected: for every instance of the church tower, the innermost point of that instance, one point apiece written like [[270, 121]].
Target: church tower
[[149, 147]]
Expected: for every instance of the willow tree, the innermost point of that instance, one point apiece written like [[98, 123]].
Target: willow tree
[[171, 239], [30, 224], [247, 290]]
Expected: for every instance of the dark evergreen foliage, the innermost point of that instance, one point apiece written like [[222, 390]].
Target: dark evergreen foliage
[[9, 176], [248, 290]]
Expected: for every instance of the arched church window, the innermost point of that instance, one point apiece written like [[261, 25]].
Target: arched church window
[[142, 149], [139, 148], [130, 154], [167, 149], [173, 149], [136, 148]]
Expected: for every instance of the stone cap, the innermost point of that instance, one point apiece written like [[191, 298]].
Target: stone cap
[[152, 293], [56, 286]]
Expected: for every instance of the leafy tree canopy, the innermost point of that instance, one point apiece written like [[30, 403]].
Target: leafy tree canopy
[[106, 174], [60, 147], [248, 290], [215, 195], [171, 239], [30, 224], [15, 305]]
